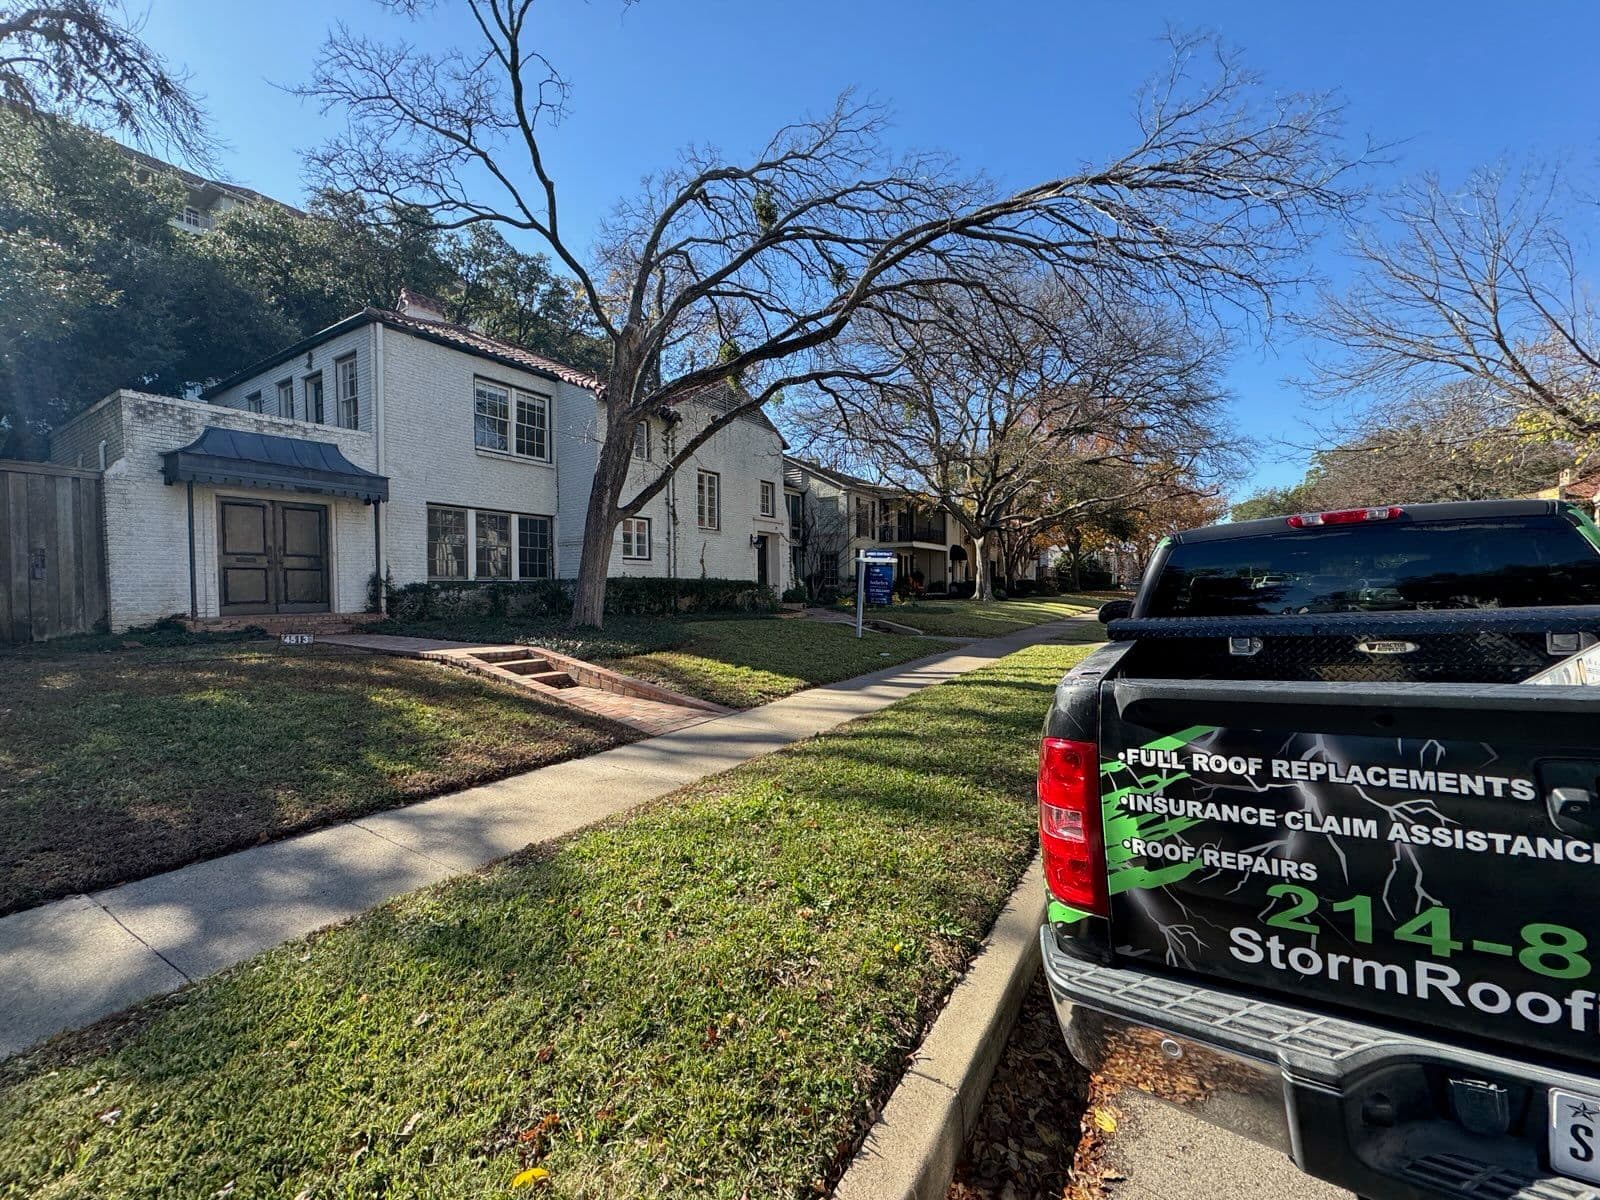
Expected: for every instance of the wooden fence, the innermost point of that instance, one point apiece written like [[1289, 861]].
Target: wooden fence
[[52, 551]]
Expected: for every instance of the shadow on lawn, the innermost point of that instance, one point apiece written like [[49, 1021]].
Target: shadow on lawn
[[120, 769]]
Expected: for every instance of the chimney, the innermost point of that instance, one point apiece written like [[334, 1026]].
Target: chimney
[[423, 308]]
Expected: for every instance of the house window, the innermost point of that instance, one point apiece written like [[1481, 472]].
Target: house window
[[193, 218], [533, 548], [286, 398], [491, 416], [344, 374], [708, 500], [828, 566], [797, 514], [636, 537], [864, 517], [641, 440], [769, 499], [533, 425], [252, 402], [314, 398], [447, 543], [493, 545]]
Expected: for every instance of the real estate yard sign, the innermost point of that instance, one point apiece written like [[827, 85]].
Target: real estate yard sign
[[874, 580]]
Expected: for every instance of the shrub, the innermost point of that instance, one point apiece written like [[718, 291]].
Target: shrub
[[1023, 587], [502, 599], [999, 593], [796, 595]]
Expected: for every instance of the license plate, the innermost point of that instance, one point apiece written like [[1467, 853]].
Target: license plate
[[1575, 1134]]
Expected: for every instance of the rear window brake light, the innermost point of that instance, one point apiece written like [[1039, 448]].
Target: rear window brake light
[[1344, 516]]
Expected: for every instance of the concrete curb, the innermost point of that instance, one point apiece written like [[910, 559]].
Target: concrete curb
[[911, 1150]]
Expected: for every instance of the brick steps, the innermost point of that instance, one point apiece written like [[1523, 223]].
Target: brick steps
[[638, 704]]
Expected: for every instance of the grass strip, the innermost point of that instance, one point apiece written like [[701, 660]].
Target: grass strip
[[705, 999], [989, 618]]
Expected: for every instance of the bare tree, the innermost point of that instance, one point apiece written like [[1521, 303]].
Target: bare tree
[[823, 544], [1022, 417], [1459, 441], [1480, 285], [745, 270], [85, 60]]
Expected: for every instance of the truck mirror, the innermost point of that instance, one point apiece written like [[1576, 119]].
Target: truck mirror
[[1115, 610]]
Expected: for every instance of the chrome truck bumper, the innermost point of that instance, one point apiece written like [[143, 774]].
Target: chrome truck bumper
[[1384, 1114]]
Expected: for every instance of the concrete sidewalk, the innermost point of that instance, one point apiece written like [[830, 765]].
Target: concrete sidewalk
[[72, 962], [1161, 1152]]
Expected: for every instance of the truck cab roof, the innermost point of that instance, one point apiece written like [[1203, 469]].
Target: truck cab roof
[[1453, 510]]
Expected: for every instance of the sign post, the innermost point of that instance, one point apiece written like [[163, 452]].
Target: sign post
[[874, 580]]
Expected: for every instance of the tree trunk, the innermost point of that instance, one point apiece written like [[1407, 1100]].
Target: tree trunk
[[982, 589], [601, 518]]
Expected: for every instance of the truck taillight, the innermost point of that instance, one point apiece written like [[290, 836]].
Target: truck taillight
[[1069, 824], [1344, 516]]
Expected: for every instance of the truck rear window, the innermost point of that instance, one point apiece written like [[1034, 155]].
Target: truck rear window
[[1391, 566]]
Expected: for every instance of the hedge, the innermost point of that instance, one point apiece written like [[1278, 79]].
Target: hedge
[[625, 595]]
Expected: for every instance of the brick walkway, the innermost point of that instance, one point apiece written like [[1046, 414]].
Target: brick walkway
[[645, 707]]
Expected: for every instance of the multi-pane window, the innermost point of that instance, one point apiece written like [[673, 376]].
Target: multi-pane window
[[193, 218], [828, 566], [344, 373], [708, 500], [252, 402], [314, 398], [533, 425], [491, 420], [797, 514], [636, 537], [865, 516], [641, 440], [533, 548], [769, 499], [494, 545], [447, 543], [286, 397]]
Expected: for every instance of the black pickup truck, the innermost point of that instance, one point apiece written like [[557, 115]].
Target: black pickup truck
[[1321, 833]]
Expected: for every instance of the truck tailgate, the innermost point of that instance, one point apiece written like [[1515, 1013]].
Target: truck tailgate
[[1430, 852]]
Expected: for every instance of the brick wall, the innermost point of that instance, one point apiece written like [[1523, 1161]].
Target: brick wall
[[147, 522], [742, 454]]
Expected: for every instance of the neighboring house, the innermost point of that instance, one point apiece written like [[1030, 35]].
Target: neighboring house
[[204, 199], [394, 442], [835, 515]]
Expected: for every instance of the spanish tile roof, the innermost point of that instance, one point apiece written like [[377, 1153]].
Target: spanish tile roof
[[474, 342]]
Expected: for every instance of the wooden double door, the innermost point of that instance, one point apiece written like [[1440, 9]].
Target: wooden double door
[[272, 556]]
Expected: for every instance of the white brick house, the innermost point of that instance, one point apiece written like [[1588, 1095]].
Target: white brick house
[[395, 442]]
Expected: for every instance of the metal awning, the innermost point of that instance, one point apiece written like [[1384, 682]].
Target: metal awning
[[263, 460]]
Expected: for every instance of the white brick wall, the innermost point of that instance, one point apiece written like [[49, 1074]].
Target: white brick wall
[[743, 454], [429, 451], [147, 523], [415, 402]]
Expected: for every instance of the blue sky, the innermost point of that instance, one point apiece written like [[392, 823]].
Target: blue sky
[[1017, 89]]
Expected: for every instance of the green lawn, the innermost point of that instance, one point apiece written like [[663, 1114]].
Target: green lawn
[[120, 764], [736, 661], [990, 618], [706, 999], [742, 663]]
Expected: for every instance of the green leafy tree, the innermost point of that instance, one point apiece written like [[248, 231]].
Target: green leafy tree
[[511, 294], [97, 289]]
